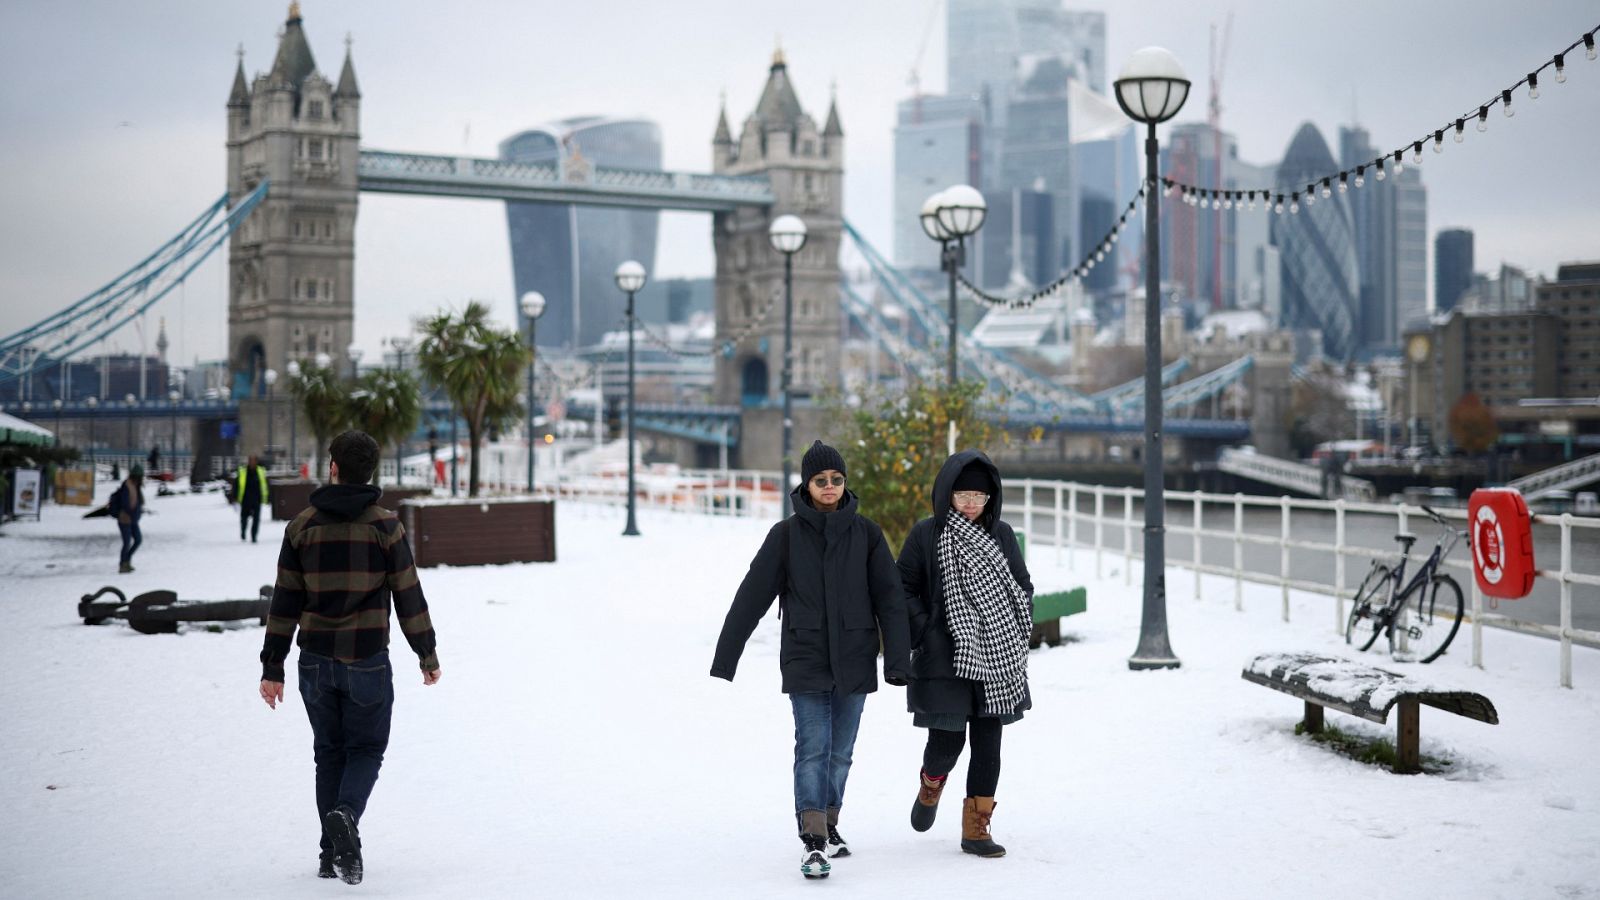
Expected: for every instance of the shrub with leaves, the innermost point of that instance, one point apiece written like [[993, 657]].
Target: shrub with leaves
[[894, 444], [479, 365]]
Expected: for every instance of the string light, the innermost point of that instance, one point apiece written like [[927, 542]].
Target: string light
[[1294, 203], [1213, 199]]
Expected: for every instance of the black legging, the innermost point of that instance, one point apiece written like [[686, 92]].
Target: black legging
[[983, 769]]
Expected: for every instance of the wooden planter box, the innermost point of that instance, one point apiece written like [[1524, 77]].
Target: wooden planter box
[[394, 496], [289, 497], [480, 532]]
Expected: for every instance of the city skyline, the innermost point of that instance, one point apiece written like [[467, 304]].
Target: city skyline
[[123, 144]]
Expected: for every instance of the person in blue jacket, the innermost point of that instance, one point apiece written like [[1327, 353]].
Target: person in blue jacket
[[127, 505]]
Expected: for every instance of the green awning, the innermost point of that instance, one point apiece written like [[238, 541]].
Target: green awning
[[24, 433]]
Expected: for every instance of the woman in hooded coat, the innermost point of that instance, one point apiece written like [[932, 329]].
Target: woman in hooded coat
[[839, 589], [971, 608]]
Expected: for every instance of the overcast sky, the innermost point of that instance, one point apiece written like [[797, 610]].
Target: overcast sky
[[112, 118]]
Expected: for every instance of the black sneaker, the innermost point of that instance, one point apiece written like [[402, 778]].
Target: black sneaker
[[341, 828], [325, 865], [836, 845], [814, 861]]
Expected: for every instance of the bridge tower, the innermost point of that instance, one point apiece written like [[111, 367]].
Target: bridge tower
[[805, 166], [291, 265]]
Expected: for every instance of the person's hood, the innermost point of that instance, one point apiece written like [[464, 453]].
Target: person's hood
[[944, 486], [816, 518], [346, 501]]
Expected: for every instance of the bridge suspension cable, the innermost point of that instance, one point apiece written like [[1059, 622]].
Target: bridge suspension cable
[[107, 309]]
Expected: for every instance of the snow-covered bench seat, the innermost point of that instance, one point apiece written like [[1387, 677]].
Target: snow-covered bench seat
[[1366, 692]]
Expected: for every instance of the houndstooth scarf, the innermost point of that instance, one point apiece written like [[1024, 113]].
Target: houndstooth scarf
[[988, 613]]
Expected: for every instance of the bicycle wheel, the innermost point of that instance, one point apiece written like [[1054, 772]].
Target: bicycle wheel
[[1363, 625], [1430, 620]]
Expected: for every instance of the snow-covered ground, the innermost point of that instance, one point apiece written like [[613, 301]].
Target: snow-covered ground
[[576, 746]]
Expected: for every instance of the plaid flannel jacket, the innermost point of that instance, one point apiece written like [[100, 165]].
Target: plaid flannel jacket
[[335, 580]]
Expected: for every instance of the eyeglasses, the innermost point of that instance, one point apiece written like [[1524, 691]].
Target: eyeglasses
[[970, 498], [822, 481]]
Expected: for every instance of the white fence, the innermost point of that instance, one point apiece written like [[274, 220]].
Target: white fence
[[1060, 507]]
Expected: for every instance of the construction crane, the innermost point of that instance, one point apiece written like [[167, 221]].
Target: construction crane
[[915, 81], [1219, 61]]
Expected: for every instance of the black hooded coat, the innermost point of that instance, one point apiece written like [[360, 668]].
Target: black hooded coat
[[840, 590], [935, 687]]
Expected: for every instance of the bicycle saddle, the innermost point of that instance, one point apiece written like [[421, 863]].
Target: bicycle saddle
[[1406, 538]]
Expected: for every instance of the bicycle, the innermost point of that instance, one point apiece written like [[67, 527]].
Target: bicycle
[[1421, 618]]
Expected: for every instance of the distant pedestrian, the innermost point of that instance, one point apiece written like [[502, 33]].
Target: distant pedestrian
[[127, 505], [971, 610], [154, 459], [343, 560], [838, 590], [250, 490]]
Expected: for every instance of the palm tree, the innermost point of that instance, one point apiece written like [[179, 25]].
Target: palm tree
[[386, 404], [322, 397], [478, 364]]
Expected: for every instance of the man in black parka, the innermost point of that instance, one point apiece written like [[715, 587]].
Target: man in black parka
[[840, 590]]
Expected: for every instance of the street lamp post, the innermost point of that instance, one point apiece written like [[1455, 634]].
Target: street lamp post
[[1151, 89], [172, 446], [294, 422], [354, 354], [127, 403], [532, 309], [401, 345], [94, 403], [270, 376], [57, 404], [630, 278], [950, 217], [788, 235]]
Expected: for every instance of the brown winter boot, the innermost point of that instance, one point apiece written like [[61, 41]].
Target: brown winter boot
[[975, 815], [927, 805]]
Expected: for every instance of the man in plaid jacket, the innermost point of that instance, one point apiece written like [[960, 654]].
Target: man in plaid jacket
[[342, 560]]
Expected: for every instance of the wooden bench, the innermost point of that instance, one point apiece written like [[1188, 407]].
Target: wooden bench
[[1364, 692], [1049, 610]]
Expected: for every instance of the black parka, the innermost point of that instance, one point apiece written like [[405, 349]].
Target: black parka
[[935, 688], [840, 590]]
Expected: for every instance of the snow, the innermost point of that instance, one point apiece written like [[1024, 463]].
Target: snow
[[576, 746]]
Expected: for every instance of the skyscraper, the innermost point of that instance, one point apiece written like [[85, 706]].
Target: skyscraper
[[1452, 267], [936, 144], [1391, 229], [1317, 250], [551, 241]]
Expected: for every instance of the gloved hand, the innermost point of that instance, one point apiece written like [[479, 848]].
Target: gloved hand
[[897, 680]]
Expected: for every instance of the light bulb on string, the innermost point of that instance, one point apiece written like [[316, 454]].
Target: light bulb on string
[[1416, 153], [1311, 194], [1381, 173], [1327, 188], [1588, 46], [1561, 69], [1167, 190], [1438, 141], [1278, 207], [1460, 134], [1399, 161], [1483, 118], [1250, 201], [1533, 85], [1505, 103], [1361, 177], [1344, 182]]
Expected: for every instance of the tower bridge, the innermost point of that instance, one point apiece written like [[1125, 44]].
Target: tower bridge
[[296, 170]]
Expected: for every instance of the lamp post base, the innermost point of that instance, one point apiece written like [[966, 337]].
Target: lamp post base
[[1144, 663]]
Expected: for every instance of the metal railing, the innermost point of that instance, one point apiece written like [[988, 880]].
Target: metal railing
[[1292, 475], [1066, 516], [1566, 476]]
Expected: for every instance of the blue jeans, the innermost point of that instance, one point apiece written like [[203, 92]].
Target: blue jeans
[[349, 705], [131, 539], [825, 726]]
